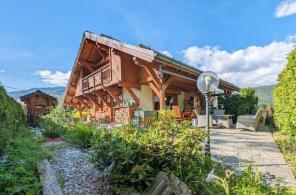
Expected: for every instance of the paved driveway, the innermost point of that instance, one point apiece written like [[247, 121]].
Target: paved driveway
[[234, 147]]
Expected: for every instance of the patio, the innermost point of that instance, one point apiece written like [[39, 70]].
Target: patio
[[233, 147]]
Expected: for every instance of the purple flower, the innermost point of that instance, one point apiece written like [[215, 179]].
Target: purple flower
[[210, 176]]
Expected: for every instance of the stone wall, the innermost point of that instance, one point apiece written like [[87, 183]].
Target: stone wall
[[121, 115]]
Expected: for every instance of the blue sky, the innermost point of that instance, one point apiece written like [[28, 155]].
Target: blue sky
[[39, 39]]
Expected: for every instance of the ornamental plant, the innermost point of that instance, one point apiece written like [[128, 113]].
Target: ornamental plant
[[140, 154], [285, 97], [56, 122]]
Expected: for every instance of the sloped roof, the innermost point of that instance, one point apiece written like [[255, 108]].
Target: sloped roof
[[141, 51], [37, 92], [148, 51]]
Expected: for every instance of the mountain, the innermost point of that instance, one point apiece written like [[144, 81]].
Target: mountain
[[57, 92], [265, 94]]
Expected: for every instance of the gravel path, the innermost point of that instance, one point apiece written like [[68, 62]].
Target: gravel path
[[76, 174]]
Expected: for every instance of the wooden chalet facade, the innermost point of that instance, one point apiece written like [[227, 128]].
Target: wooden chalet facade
[[111, 79], [37, 105]]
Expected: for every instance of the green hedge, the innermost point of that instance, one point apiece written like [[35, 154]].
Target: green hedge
[[285, 97], [12, 118]]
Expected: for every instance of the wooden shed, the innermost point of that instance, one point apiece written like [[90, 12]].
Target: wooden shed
[[37, 104], [112, 78]]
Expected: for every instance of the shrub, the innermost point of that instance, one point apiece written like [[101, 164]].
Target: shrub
[[140, 154], [285, 97], [56, 122], [18, 169], [239, 104], [12, 118], [50, 128], [80, 134]]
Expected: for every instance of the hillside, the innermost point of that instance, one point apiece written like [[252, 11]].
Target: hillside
[[265, 94], [57, 92]]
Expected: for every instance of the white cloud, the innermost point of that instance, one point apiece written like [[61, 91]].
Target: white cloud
[[285, 8], [251, 66], [167, 53], [291, 38], [56, 78], [1, 70]]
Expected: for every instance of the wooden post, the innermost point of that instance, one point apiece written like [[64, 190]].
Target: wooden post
[[80, 111], [162, 94], [162, 99]]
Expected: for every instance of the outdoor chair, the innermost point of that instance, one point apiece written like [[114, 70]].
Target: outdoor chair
[[201, 120], [177, 112], [249, 122], [216, 115]]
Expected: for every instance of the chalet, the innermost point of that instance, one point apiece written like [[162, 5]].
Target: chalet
[[37, 104], [112, 79]]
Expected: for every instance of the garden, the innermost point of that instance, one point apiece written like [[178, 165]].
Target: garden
[[139, 154], [165, 145]]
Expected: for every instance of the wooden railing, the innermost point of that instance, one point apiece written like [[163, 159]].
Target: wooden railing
[[96, 79]]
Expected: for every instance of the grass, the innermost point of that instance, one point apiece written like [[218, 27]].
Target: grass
[[287, 145]]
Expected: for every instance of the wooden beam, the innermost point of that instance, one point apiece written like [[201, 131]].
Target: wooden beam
[[132, 94], [152, 74], [80, 99], [100, 95], [149, 71], [168, 82], [98, 48], [103, 61], [90, 68], [113, 93], [93, 99], [86, 63], [154, 89], [132, 85], [173, 91]]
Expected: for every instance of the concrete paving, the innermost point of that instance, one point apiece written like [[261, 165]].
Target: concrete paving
[[237, 148]]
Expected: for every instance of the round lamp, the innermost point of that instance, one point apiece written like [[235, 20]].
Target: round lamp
[[208, 82]]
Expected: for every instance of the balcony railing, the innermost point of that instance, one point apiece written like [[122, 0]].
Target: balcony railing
[[96, 79]]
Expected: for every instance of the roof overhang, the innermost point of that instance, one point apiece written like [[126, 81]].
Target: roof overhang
[[142, 52]]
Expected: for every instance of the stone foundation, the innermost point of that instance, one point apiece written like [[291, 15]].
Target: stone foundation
[[123, 115]]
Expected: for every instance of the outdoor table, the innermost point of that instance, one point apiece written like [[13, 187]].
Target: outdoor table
[[186, 115], [225, 120]]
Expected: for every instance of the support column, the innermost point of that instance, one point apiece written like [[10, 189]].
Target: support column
[[161, 99], [80, 108]]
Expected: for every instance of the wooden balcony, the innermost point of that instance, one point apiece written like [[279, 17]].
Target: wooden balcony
[[97, 79]]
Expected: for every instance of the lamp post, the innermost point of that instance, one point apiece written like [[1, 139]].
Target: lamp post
[[207, 83]]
